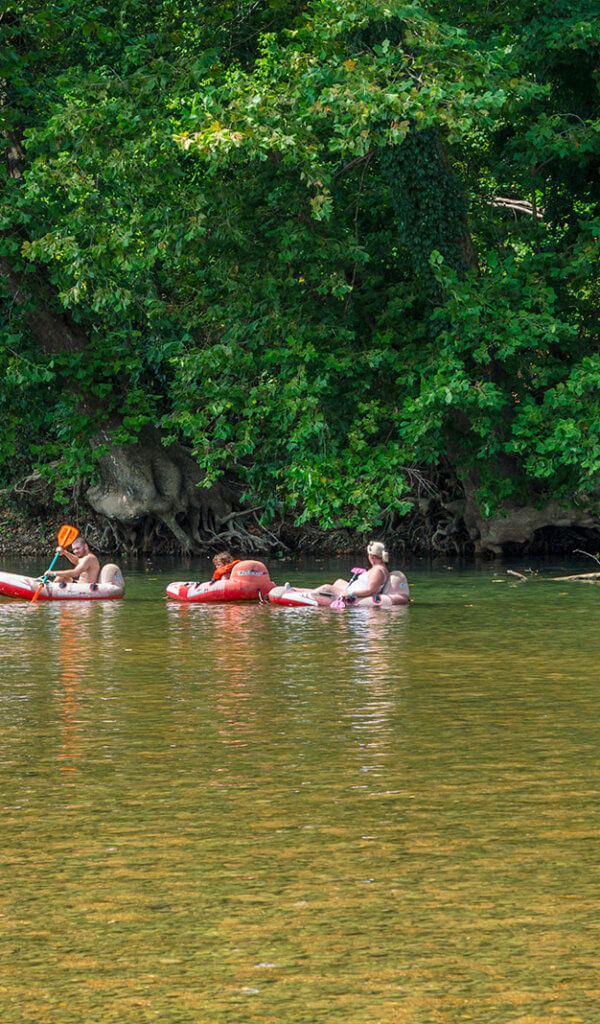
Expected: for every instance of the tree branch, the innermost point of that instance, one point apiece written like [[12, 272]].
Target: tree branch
[[353, 163], [517, 206]]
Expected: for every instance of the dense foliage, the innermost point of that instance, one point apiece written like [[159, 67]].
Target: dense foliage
[[342, 248]]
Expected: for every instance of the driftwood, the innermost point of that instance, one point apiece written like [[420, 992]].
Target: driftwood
[[587, 577], [578, 551]]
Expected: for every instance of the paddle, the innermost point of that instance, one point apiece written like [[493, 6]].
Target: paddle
[[65, 536], [340, 603]]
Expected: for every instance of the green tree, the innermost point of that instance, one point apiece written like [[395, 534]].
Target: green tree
[[340, 249]]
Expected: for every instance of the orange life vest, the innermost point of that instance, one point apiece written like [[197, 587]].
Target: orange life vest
[[224, 569]]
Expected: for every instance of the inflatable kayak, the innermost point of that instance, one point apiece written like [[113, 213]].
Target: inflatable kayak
[[109, 587], [249, 581], [395, 594]]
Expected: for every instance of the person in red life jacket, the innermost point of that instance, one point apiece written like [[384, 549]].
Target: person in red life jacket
[[223, 563]]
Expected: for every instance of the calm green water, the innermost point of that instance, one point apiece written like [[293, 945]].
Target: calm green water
[[258, 814]]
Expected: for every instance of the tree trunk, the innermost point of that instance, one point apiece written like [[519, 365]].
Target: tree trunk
[[140, 485]]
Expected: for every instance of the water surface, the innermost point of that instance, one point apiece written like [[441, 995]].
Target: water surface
[[245, 813]]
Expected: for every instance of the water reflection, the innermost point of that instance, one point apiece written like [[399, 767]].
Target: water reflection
[[74, 647], [13, 633], [219, 647], [373, 640], [236, 670], [275, 795], [85, 643]]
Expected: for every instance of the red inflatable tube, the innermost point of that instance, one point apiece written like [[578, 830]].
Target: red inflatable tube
[[249, 581]]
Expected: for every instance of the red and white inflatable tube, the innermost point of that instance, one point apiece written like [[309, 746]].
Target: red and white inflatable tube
[[110, 587], [395, 595], [249, 581]]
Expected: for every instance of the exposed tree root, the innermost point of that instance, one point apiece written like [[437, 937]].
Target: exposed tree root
[[149, 499], [148, 490]]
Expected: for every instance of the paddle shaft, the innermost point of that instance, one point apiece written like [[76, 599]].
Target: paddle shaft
[[339, 602], [45, 576], [66, 535]]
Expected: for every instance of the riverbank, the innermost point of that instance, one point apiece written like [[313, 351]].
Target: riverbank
[[25, 532], [32, 529], [20, 535]]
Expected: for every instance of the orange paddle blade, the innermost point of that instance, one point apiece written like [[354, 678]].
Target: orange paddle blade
[[66, 535]]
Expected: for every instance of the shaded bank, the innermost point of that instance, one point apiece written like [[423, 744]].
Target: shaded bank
[[438, 525]]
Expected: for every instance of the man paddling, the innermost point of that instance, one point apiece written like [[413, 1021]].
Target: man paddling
[[86, 567]]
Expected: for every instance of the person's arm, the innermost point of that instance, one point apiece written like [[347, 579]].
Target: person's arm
[[372, 582], [68, 554], [71, 574]]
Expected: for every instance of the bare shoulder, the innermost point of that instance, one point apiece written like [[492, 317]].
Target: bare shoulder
[[89, 560]]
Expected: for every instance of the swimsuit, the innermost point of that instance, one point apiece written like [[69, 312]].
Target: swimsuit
[[357, 582]]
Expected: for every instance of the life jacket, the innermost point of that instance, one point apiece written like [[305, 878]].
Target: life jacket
[[224, 569]]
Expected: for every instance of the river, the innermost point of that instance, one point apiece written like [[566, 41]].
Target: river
[[245, 813]]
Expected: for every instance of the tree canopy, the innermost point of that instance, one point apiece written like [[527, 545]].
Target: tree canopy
[[346, 250]]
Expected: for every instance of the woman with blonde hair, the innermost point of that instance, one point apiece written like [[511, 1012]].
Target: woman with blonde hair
[[369, 583]]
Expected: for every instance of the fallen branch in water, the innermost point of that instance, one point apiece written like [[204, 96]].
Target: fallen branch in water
[[587, 577], [578, 551]]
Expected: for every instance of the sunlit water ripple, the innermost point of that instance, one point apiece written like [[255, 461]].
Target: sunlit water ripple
[[247, 813]]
